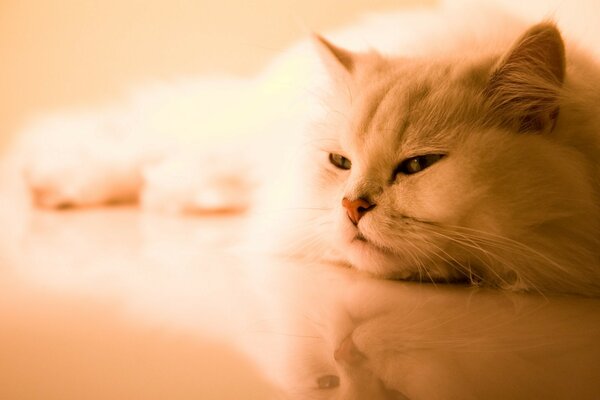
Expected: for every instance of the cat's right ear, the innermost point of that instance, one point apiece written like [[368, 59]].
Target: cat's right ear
[[333, 56], [340, 63]]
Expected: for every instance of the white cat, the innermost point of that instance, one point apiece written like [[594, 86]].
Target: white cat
[[461, 158], [479, 161]]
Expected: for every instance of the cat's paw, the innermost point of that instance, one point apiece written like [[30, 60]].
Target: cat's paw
[[74, 161], [199, 182], [76, 182]]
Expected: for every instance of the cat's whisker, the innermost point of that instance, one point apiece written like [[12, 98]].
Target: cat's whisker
[[505, 244], [469, 247], [515, 244], [490, 256], [455, 263], [507, 248], [420, 265]]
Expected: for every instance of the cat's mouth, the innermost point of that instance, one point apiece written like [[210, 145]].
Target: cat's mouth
[[397, 268], [359, 236], [362, 240]]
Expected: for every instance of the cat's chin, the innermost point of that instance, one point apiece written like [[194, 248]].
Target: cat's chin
[[366, 256]]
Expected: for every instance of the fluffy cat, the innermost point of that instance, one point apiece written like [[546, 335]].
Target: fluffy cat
[[472, 158], [481, 166], [475, 164]]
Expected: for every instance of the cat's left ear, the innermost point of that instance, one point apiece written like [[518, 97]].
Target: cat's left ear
[[525, 88]]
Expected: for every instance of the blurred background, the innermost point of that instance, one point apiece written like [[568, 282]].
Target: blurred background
[[56, 54]]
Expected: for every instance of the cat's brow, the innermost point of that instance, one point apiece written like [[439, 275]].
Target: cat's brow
[[393, 112], [416, 93], [388, 108], [373, 103]]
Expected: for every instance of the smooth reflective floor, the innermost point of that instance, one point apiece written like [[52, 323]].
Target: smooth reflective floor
[[114, 303]]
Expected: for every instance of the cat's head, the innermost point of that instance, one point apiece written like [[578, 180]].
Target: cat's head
[[460, 167]]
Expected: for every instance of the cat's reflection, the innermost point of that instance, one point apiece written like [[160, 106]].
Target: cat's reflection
[[304, 343], [349, 336], [316, 330]]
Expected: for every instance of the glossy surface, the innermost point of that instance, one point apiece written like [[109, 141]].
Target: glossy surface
[[115, 303]]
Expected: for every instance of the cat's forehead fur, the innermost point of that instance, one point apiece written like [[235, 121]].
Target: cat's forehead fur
[[416, 104]]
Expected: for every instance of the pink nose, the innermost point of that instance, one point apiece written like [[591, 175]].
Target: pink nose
[[356, 208]]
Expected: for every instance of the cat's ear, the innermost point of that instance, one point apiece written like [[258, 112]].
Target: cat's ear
[[524, 90], [340, 63]]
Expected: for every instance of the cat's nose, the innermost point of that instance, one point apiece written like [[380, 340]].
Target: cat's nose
[[356, 208]]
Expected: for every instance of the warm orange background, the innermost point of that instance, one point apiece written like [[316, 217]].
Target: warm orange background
[[60, 53]]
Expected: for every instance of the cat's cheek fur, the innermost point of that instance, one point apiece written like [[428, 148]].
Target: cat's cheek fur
[[427, 198]]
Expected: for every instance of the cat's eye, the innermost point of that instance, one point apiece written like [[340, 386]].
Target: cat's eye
[[339, 161], [417, 164]]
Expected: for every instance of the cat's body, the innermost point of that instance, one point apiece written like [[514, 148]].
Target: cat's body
[[464, 158]]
